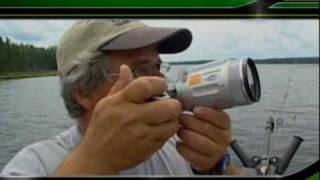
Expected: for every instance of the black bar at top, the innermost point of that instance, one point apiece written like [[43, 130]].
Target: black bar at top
[[248, 11]]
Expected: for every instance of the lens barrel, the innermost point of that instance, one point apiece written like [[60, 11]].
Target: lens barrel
[[219, 84], [251, 80]]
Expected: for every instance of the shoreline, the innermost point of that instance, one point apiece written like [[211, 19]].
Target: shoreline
[[21, 75]]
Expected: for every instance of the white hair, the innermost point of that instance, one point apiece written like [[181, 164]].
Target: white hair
[[88, 74]]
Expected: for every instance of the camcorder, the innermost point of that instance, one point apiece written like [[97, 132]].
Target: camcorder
[[219, 84]]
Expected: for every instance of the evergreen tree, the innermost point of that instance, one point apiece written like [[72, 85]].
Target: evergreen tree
[[25, 57]]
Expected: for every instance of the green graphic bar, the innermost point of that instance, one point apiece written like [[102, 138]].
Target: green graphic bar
[[314, 177], [127, 3], [295, 5]]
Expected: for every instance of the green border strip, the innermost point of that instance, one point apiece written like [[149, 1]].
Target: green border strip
[[314, 177], [295, 5], [126, 3]]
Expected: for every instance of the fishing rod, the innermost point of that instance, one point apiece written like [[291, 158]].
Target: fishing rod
[[280, 164]]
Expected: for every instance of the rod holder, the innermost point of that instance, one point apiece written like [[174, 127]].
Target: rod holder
[[281, 164], [246, 161]]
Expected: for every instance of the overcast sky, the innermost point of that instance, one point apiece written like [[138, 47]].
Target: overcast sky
[[212, 39]]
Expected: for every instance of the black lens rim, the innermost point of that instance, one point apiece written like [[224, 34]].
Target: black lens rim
[[253, 96]]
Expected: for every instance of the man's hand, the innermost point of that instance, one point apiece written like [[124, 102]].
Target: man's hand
[[124, 130], [205, 137]]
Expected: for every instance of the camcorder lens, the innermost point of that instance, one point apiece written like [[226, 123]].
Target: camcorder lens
[[251, 80]]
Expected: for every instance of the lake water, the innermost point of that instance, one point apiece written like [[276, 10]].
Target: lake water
[[32, 110]]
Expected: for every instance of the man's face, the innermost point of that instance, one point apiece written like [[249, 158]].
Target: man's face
[[142, 62]]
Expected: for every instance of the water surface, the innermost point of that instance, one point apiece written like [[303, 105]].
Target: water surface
[[32, 110]]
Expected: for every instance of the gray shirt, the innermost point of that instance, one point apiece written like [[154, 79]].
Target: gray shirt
[[42, 158]]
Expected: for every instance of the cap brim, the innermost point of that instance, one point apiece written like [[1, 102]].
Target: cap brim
[[168, 40]]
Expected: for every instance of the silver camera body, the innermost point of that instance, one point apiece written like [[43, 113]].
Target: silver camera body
[[218, 84]]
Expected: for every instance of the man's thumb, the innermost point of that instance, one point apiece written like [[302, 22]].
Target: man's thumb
[[125, 77]]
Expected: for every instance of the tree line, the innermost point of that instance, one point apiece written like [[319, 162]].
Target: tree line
[[25, 57]]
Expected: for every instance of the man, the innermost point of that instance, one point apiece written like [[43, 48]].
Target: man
[[109, 74]]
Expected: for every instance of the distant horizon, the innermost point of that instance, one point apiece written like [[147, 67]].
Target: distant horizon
[[200, 59], [258, 59], [55, 46], [212, 38], [179, 60]]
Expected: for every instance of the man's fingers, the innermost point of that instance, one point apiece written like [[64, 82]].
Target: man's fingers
[[125, 77], [204, 128], [164, 131], [144, 88], [215, 117], [197, 160], [198, 143], [160, 111]]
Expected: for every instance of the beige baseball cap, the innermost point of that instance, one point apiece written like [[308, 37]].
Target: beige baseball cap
[[116, 34]]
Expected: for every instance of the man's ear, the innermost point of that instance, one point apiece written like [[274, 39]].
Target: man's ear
[[83, 100]]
